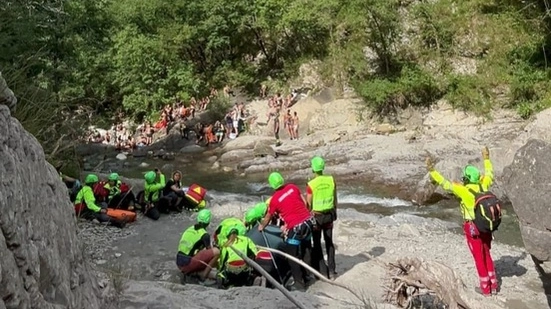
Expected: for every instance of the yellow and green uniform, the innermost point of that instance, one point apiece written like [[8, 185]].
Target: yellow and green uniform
[[152, 191], [192, 241], [231, 261], [323, 193], [113, 190], [225, 227], [86, 196], [467, 203]]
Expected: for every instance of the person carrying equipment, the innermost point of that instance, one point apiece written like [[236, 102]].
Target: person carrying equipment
[[474, 196], [232, 269], [86, 207], [119, 194], [226, 226], [195, 252], [154, 185], [321, 197], [288, 201], [194, 198]]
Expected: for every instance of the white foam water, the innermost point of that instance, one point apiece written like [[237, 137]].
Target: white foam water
[[260, 191]]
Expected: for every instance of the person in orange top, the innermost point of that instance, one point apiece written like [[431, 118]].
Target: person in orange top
[[479, 243]]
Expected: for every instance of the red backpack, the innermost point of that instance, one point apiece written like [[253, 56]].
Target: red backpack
[[124, 188], [100, 192]]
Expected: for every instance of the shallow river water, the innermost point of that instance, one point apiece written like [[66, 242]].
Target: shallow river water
[[359, 196]]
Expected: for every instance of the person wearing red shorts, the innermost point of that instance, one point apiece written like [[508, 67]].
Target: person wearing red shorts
[[195, 253]]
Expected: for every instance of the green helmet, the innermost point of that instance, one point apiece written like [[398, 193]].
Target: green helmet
[[275, 180], [203, 216], [318, 164], [237, 228], [471, 174], [150, 177], [113, 177], [91, 178], [256, 213]]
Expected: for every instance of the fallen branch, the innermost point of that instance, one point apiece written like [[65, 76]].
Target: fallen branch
[[267, 276], [409, 278], [313, 271]]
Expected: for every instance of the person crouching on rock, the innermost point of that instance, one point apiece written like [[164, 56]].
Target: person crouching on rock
[[87, 202], [154, 185], [195, 253], [233, 271], [223, 230], [255, 215], [479, 243], [120, 195], [270, 237], [194, 198], [321, 196], [288, 201], [172, 192]]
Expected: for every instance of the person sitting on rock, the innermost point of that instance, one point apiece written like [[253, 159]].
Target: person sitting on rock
[[479, 242], [195, 253], [233, 271], [120, 195], [288, 201], [223, 230], [86, 204], [172, 192], [194, 198], [154, 184], [72, 184]]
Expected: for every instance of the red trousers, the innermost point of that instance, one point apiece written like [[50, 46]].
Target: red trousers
[[480, 245]]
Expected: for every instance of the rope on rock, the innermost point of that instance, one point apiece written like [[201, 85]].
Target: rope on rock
[[270, 278]]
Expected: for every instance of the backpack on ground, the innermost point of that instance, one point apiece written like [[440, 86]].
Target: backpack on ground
[[487, 211]]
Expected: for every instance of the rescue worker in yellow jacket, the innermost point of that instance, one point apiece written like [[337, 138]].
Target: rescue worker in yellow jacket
[[87, 202], [479, 243], [195, 252], [154, 184], [321, 196], [232, 269], [120, 196]]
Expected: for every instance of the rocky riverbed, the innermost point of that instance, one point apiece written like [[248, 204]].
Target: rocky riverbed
[[390, 156], [365, 244]]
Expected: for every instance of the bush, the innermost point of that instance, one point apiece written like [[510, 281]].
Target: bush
[[413, 87]]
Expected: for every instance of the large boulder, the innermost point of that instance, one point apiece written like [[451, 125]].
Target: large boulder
[[526, 182], [42, 263]]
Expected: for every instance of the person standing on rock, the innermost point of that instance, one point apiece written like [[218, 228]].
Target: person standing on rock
[[288, 201], [85, 202], [195, 252], [321, 196], [479, 243], [154, 184]]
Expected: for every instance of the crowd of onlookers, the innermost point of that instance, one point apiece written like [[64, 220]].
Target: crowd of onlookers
[[235, 121]]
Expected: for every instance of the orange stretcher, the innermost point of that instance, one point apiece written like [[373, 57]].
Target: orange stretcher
[[119, 214]]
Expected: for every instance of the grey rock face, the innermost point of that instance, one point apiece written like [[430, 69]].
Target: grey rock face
[[41, 259], [7, 97], [527, 182]]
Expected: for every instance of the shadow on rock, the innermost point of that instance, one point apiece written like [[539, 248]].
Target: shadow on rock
[[545, 277], [507, 266], [347, 262]]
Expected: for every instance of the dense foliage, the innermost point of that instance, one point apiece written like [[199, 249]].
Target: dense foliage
[[64, 56]]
